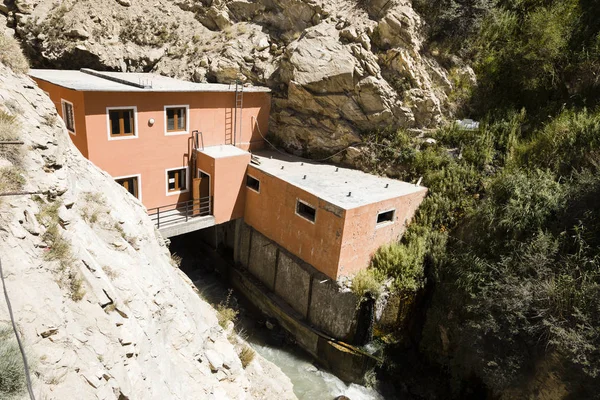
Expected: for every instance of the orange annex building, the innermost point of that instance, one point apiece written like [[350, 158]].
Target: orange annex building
[[192, 153]]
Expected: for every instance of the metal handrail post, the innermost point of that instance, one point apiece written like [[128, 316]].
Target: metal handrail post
[[158, 217], [187, 210]]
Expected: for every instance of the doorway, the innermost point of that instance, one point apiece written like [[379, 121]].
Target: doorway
[[201, 194]]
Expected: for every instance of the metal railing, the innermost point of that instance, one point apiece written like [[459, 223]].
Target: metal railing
[[181, 212]]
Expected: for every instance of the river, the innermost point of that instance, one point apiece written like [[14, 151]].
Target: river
[[310, 382]]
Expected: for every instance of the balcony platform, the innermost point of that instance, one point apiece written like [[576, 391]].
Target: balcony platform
[[178, 219]]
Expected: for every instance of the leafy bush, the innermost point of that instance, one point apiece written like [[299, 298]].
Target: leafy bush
[[403, 262], [11, 54], [12, 374], [368, 281]]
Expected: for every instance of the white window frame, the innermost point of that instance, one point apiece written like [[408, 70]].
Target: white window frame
[[62, 107], [385, 223], [187, 120], [139, 180], [135, 123], [187, 181], [259, 183], [306, 204]]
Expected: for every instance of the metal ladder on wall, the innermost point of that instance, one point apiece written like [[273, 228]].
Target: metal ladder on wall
[[237, 114]]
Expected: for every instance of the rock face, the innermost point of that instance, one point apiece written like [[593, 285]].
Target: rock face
[[108, 316], [337, 67]]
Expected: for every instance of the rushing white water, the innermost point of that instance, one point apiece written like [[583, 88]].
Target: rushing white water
[[310, 383]]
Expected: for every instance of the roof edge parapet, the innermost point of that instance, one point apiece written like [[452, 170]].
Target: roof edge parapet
[[140, 85]]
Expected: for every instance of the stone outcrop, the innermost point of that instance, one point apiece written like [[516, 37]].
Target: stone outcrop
[[103, 312], [337, 68]]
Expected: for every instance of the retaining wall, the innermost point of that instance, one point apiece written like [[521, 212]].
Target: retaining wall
[[316, 298]]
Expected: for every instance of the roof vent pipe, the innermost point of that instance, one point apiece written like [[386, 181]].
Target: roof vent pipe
[[349, 194], [337, 169], [387, 185], [304, 177], [282, 167]]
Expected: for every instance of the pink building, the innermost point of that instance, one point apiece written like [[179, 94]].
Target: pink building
[[182, 148]]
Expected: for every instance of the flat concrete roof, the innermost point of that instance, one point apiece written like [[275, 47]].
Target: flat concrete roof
[[332, 183], [222, 151], [88, 80]]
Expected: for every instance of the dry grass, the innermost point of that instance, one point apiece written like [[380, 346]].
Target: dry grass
[[11, 179], [11, 176], [59, 249], [12, 375], [176, 260], [246, 355], [226, 313], [110, 272], [11, 54]]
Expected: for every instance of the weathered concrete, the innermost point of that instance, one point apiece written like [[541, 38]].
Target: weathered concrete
[[348, 363], [193, 224], [293, 283], [243, 239], [316, 298], [332, 310], [263, 259]]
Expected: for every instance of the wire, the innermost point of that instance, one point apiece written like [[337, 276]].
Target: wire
[[12, 320]]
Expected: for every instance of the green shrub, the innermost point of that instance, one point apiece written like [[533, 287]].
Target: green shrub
[[12, 373], [368, 281], [403, 262], [11, 54]]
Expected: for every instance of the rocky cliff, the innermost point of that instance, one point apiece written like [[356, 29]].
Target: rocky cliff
[[102, 310], [337, 67]]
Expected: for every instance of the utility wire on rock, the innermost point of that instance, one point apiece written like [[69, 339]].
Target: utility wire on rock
[[12, 320]]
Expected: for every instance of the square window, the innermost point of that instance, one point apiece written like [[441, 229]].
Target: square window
[[121, 122], [176, 119], [177, 180], [386, 216], [306, 211], [130, 184], [253, 183], [68, 115]]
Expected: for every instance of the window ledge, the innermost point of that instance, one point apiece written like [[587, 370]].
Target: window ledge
[[177, 192], [177, 133]]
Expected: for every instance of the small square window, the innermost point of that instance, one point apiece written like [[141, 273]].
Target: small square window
[[386, 216], [68, 115], [306, 211], [176, 119], [121, 122], [177, 180], [130, 184], [253, 183]]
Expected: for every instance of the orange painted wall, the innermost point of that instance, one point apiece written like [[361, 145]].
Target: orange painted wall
[[57, 93], [152, 152], [227, 183], [273, 213], [362, 237]]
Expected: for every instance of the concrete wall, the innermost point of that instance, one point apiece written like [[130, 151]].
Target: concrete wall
[[273, 213], [312, 295], [227, 184], [362, 236], [58, 93]]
